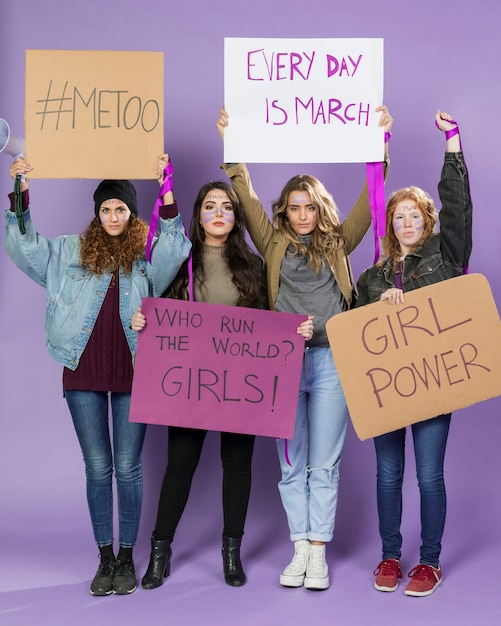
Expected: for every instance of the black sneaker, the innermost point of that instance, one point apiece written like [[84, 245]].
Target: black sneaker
[[124, 581], [102, 584]]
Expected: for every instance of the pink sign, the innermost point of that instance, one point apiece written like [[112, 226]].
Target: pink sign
[[217, 367]]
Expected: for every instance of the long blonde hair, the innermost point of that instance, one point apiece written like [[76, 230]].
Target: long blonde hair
[[327, 237]]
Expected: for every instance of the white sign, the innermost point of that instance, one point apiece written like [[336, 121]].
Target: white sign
[[303, 100]]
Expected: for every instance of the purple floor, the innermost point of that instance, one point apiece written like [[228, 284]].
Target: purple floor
[[44, 579]]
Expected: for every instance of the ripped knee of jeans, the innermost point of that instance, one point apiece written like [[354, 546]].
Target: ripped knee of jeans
[[332, 472]]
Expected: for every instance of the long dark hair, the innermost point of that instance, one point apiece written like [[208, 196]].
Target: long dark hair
[[245, 266]]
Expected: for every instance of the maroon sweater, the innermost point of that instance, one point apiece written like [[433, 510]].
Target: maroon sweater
[[106, 362]]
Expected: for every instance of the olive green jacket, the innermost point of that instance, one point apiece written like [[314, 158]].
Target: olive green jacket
[[272, 245]]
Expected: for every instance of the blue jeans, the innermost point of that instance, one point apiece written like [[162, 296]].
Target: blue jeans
[[430, 439], [309, 485], [89, 410]]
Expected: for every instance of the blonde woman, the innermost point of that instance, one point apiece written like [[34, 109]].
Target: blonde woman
[[306, 248]]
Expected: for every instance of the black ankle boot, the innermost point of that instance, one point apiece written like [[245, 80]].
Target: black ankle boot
[[234, 574], [159, 565]]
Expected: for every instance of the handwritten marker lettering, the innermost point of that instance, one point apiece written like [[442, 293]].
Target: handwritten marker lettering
[[301, 110], [279, 65], [403, 327], [116, 108]]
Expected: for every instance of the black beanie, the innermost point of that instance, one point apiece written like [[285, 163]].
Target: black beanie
[[120, 189]]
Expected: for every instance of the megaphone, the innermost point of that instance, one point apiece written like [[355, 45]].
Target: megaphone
[[10, 144], [15, 147]]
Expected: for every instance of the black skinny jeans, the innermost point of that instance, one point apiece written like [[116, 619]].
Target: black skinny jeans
[[184, 450]]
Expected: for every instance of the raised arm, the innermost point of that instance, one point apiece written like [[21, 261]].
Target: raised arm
[[359, 218], [164, 176], [454, 191], [256, 219]]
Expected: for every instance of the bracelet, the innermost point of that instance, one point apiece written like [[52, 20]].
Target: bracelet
[[449, 133], [452, 132], [387, 137]]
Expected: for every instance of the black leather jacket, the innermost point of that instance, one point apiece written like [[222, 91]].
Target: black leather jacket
[[443, 255]]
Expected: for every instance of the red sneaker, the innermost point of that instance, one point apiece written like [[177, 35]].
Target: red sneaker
[[387, 574], [424, 580]]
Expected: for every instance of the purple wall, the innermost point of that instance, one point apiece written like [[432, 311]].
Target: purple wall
[[437, 55]]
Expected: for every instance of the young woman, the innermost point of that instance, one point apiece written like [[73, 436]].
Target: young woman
[[306, 252], [224, 271], [94, 283], [416, 256]]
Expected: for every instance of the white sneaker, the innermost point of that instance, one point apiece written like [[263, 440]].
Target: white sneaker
[[317, 572], [293, 574]]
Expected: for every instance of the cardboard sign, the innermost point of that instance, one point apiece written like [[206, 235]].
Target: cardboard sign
[[303, 100], [94, 114], [401, 364], [217, 367]]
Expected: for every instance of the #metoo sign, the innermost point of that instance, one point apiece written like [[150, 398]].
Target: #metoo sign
[[438, 352], [303, 100], [217, 367], [94, 114]]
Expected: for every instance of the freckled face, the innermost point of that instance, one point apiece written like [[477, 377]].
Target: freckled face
[[301, 212], [408, 225], [217, 217], [114, 216]]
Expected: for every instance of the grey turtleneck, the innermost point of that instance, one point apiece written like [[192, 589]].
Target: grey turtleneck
[[302, 290]]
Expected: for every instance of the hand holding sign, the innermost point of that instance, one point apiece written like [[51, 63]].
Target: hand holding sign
[[438, 352], [217, 367], [319, 94]]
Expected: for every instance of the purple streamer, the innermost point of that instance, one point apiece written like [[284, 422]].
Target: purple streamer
[[375, 185], [167, 186]]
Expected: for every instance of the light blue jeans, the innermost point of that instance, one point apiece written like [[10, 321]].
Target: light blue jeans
[[89, 410], [309, 484]]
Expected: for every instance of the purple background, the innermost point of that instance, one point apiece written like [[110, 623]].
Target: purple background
[[437, 55]]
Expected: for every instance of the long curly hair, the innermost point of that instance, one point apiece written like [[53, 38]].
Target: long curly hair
[[327, 237], [101, 253], [246, 267], [424, 202]]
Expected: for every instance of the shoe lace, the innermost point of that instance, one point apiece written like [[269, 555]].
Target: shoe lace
[[388, 567], [300, 557], [124, 568], [422, 573], [106, 566], [316, 558]]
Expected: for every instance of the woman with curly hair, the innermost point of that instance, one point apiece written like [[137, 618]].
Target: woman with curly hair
[[223, 270], [414, 256], [306, 248], [94, 282]]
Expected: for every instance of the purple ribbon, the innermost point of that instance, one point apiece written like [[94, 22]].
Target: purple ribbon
[[375, 186], [190, 275], [286, 451], [452, 132], [167, 186], [448, 135]]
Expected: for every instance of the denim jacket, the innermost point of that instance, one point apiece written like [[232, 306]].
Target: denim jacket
[[443, 255], [74, 295]]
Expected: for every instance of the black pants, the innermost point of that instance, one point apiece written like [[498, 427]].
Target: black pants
[[184, 450]]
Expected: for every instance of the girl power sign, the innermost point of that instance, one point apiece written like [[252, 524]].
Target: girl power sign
[[438, 352], [303, 100], [217, 367]]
